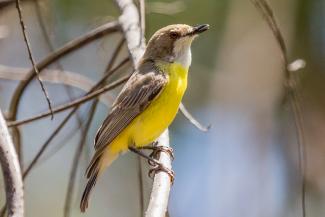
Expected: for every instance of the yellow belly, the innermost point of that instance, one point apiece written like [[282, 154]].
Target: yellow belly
[[161, 112]]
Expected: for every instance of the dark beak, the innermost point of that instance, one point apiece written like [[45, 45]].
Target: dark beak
[[200, 28]]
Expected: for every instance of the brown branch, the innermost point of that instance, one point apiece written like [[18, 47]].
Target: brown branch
[[130, 23], [11, 172], [72, 104], [267, 13], [192, 120], [26, 39], [64, 50], [71, 79], [51, 48]]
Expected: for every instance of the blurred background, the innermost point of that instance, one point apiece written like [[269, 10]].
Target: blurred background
[[245, 165]]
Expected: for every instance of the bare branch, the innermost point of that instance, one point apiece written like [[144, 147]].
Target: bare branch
[[64, 50], [55, 76], [72, 104], [26, 39], [42, 24], [189, 117], [11, 172], [267, 13], [130, 23]]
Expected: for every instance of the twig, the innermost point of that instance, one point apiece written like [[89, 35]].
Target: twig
[[267, 12], [71, 79], [76, 159], [90, 95], [51, 48], [64, 50], [114, 56], [26, 39], [11, 172], [129, 21], [189, 117]]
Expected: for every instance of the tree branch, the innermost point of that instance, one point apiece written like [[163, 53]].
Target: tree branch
[[55, 76], [75, 103], [192, 120], [64, 50], [130, 23], [26, 39], [11, 172]]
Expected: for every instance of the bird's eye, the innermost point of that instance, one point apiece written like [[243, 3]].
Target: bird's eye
[[174, 35]]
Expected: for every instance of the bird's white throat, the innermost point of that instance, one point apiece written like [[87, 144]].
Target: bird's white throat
[[182, 52]]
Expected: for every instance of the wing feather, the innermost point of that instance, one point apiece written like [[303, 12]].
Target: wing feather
[[136, 95]]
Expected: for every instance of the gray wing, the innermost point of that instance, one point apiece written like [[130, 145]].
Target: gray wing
[[136, 95]]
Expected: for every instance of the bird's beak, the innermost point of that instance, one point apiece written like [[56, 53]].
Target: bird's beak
[[199, 29]]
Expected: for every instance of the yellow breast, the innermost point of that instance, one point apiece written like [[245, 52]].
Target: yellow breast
[[161, 112]]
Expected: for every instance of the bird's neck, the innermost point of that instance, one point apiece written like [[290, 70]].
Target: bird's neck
[[184, 57]]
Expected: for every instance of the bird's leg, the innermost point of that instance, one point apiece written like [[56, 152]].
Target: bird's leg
[[157, 166]]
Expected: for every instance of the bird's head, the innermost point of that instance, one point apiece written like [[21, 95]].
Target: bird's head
[[173, 43]]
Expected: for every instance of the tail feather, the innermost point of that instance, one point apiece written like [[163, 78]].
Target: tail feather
[[93, 165], [96, 167], [90, 185]]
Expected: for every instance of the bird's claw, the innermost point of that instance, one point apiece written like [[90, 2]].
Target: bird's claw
[[161, 168], [157, 149]]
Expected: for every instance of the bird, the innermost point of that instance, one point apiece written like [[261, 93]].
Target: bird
[[148, 102]]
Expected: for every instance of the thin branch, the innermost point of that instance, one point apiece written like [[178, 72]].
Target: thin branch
[[114, 56], [130, 23], [26, 39], [64, 50], [267, 13], [51, 48], [72, 104], [11, 172], [76, 159], [54, 76], [90, 95], [189, 117]]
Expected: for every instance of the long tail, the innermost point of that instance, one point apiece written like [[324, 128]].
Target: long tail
[[96, 167]]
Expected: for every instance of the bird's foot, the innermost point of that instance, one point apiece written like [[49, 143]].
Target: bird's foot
[[161, 168], [157, 166], [159, 148]]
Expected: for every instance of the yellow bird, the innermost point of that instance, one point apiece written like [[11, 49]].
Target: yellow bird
[[148, 102]]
